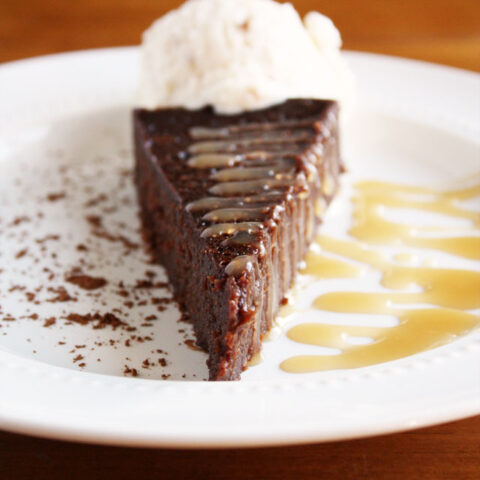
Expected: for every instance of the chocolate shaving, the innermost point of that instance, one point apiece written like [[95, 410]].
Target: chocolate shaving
[[49, 322], [53, 197], [19, 220], [98, 320], [94, 220], [21, 253], [62, 295], [86, 281], [47, 238], [130, 371]]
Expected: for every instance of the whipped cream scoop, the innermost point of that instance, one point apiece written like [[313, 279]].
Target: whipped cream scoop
[[239, 55]]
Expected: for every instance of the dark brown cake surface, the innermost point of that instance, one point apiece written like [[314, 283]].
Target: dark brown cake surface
[[229, 206]]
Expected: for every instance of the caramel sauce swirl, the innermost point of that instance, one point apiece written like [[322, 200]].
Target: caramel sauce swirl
[[417, 331], [371, 226], [431, 306]]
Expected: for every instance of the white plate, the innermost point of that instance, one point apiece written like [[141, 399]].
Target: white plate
[[414, 123]]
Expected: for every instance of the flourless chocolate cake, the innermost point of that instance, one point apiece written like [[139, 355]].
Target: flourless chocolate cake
[[229, 205]]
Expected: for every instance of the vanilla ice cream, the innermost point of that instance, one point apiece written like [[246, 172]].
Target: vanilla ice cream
[[239, 55]]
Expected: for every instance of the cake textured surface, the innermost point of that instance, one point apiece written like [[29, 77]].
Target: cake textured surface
[[229, 205]]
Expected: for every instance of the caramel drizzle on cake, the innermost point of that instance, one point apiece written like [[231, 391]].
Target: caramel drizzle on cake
[[248, 160], [254, 167]]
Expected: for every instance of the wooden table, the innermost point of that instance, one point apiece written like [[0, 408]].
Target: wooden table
[[445, 452], [443, 31]]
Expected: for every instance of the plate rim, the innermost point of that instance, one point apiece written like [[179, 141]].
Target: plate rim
[[16, 425]]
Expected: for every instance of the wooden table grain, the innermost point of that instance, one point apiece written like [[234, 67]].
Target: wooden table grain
[[442, 31], [445, 452]]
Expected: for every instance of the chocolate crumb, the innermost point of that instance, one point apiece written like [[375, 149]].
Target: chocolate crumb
[[62, 295], [95, 201], [98, 320], [162, 361], [47, 238], [130, 371], [94, 220], [86, 282], [30, 296], [16, 287], [21, 253], [53, 197], [78, 358], [19, 220], [49, 322]]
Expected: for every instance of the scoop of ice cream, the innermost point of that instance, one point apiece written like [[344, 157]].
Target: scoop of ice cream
[[239, 55]]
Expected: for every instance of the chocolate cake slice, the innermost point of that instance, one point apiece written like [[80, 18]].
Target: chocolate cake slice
[[229, 205]]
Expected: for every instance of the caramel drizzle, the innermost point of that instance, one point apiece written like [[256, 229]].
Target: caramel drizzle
[[449, 293], [370, 224], [247, 187], [254, 169], [241, 144], [253, 166], [282, 168], [231, 228], [211, 203], [236, 214], [239, 264], [199, 133], [254, 157]]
